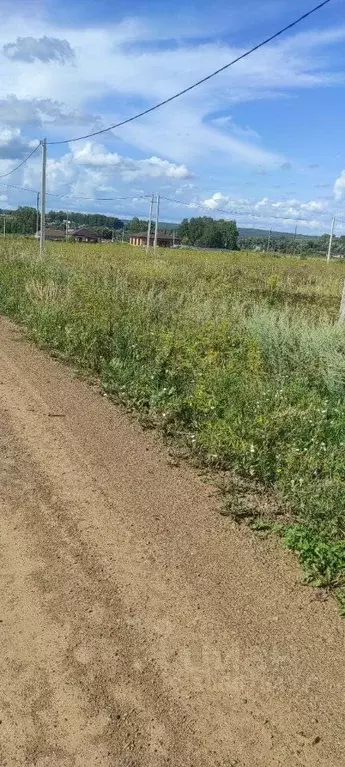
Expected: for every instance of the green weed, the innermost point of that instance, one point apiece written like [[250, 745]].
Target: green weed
[[237, 356], [340, 596], [322, 559]]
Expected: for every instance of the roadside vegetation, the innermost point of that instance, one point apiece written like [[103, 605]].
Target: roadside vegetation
[[237, 356]]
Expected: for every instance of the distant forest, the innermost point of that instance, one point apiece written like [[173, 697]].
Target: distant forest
[[281, 242], [196, 232]]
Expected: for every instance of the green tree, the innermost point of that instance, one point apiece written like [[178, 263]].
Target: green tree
[[23, 221], [207, 232], [229, 234], [136, 225]]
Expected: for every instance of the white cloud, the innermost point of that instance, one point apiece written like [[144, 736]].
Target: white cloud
[[217, 200], [46, 49], [94, 155], [106, 67], [42, 112], [190, 139], [315, 206], [310, 39], [184, 188], [228, 124], [308, 214], [13, 145], [339, 186], [90, 170], [114, 75]]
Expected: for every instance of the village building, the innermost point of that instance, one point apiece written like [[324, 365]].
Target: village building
[[85, 235], [163, 240]]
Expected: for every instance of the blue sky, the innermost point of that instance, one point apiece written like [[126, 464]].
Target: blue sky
[[262, 141]]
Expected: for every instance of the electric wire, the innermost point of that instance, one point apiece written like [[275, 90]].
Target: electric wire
[[199, 82], [4, 175]]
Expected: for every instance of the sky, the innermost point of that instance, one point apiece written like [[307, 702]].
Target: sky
[[262, 142]]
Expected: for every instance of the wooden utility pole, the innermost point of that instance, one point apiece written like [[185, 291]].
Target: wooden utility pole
[[149, 224], [342, 307], [157, 223], [331, 240], [43, 196], [37, 212], [269, 240]]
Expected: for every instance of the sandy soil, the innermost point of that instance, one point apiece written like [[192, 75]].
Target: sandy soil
[[138, 627]]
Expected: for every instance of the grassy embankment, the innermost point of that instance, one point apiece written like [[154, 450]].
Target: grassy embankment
[[238, 355]]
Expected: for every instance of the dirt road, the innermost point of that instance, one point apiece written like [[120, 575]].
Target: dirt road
[[138, 627]]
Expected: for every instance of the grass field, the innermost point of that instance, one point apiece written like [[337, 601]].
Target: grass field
[[237, 356]]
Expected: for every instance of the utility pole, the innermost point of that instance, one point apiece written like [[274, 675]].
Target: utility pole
[[123, 234], [330, 241], [4, 230], [67, 222], [294, 240], [37, 212], [149, 224], [269, 240], [157, 223], [173, 238], [43, 195], [342, 307]]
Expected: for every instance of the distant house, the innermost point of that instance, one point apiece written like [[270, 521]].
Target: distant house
[[163, 240], [53, 234], [85, 235]]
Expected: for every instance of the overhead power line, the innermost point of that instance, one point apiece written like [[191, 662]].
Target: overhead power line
[[21, 188], [199, 82], [191, 205], [22, 163], [77, 197], [99, 199]]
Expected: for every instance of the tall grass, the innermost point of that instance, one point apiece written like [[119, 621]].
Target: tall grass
[[237, 355]]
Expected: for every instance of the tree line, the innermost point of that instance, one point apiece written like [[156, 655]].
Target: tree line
[[202, 231], [302, 245], [23, 221]]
